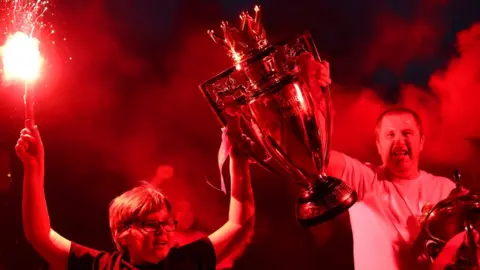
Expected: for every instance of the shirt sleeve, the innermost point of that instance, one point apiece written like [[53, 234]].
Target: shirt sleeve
[[358, 176], [81, 257]]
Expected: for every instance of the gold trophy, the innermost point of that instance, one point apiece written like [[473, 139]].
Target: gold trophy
[[287, 115]]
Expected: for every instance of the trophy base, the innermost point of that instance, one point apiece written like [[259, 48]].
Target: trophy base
[[323, 201]]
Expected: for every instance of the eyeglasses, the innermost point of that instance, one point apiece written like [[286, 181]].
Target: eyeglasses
[[153, 225]]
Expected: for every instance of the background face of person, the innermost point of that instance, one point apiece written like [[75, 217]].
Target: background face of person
[[399, 142]]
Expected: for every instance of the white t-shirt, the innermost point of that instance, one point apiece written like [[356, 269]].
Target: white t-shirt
[[384, 219]]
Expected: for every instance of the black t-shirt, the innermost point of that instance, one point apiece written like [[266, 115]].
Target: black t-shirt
[[198, 255]]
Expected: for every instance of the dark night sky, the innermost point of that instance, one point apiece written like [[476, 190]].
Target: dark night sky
[[129, 101]]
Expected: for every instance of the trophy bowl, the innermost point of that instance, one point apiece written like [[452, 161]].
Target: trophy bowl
[[288, 114], [458, 213], [448, 218]]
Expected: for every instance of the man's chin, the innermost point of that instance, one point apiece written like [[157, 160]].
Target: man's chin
[[162, 252], [157, 255], [400, 167], [401, 163]]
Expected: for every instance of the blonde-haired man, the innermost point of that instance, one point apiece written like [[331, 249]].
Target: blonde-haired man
[[141, 220]]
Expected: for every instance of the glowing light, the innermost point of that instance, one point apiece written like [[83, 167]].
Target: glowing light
[[237, 58], [34, 19], [21, 58], [24, 21]]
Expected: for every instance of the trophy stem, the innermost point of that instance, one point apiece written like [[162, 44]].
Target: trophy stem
[[323, 199]]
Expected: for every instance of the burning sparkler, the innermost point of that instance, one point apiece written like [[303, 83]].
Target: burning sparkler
[[22, 61]]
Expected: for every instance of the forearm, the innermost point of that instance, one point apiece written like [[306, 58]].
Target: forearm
[[36, 222], [242, 209], [232, 238]]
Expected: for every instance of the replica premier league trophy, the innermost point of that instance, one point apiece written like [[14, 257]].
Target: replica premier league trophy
[[288, 115]]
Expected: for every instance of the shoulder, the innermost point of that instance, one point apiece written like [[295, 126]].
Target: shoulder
[[436, 179], [199, 254], [441, 184], [81, 257], [355, 164], [202, 245]]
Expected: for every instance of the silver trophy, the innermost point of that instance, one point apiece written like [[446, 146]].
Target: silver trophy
[[287, 115], [459, 212]]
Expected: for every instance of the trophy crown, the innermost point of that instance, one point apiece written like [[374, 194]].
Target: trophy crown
[[241, 41]]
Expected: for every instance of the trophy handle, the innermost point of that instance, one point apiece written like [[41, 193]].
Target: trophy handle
[[326, 90], [223, 122], [229, 90], [471, 243]]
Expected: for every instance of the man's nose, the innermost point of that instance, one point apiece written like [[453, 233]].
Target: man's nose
[[398, 137], [159, 230]]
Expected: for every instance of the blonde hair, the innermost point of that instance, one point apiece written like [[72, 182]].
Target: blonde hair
[[132, 206]]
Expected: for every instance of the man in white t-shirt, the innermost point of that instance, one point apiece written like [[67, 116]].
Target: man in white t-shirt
[[385, 220]]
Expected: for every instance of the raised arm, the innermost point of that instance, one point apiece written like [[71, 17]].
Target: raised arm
[[336, 165], [231, 239], [316, 75], [36, 222]]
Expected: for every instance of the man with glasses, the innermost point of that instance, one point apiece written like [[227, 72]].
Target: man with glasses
[[141, 220]]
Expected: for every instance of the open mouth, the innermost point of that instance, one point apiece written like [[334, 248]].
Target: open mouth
[[400, 153]]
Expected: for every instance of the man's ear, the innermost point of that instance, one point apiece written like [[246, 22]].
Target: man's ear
[[422, 141], [121, 239], [377, 142]]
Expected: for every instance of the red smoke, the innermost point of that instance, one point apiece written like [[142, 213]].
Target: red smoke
[[458, 87], [125, 113], [449, 111], [165, 119], [397, 41], [452, 111]]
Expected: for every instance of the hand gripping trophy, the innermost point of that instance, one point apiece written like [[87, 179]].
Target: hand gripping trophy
[[278, 107]]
